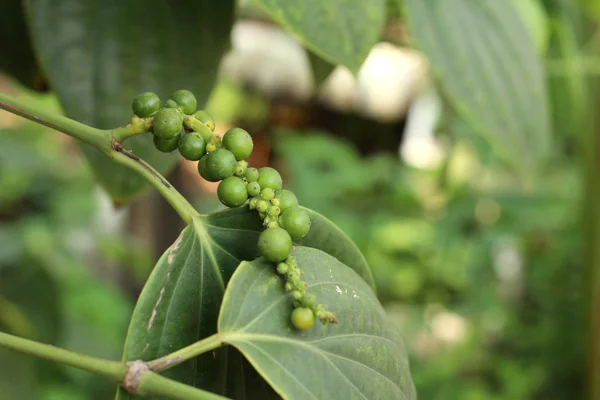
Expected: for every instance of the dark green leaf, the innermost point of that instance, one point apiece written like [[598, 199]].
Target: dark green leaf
[[180, 302], [489, 69], [361, 357], [16, 54], [321, 69], [99, 55], [340, 31]]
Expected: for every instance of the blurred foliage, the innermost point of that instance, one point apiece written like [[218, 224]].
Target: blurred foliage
[[482, 276], [48, 290]]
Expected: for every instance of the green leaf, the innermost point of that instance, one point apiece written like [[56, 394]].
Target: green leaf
[[490, 71], [181, 300], [361, 357], [321, 69], [100, 55], [16, 54], [340, 31]]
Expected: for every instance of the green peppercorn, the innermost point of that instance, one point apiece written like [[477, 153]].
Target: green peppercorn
[[232, 192], [303, 318], [251, 175], [267, 194], [262, 206], [145, 104], [167, 123], [166, 145], [274, 244], [221, 163], [186, 101], [296, 222], [239, 142], [191, 146], [274, 211], [287, 199], [282, 268], [253, 201], [206, 172], [269, 178], [253, 189]]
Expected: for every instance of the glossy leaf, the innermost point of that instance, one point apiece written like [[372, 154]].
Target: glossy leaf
[[99, 55], [16, 54], [489, 68], [321, 69], [361, 357], [339, 31], [181, 300]]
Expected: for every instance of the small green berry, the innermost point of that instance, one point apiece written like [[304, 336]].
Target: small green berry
[[274, 211], [308, 300], [251, 175], [275, 202], [171, 103], [221, 163], [205, 118], [262, 206], [253, 202], [166, 145], [291, 261], [186, 101], [295, 221], [287, 199], [267, 194], [145, 104], [232, 192], [191, 146], [241, 168], [303, 318], [269, 178], [167, 123], [297, 294], [253, 189], [206, 172], [282, 268], [274, 244], [288, 287], [239, 142]]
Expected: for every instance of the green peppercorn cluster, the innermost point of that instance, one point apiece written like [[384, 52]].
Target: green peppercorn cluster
[[179, 125]]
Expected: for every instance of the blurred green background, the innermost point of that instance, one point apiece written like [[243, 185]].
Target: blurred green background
[[483, 273]]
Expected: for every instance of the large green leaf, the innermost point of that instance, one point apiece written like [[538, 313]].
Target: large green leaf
[[99, 55], [361, 357], [340, 31], [16, 54], [180, 302], [488, 66]]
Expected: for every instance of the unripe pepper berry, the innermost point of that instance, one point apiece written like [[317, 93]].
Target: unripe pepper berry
[[166, 145], [186, 101], [303, 318], [295, 221], [232, 192], [269, 178], [167, 123], [145, 104], [274, 244], [191, 146], [239, 142]]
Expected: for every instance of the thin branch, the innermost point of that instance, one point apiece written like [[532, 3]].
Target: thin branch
[[135, 377], [191, 351], [109, 143]]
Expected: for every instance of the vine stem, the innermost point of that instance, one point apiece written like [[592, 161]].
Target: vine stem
[[109, 143], [135, 377], [191, 351]]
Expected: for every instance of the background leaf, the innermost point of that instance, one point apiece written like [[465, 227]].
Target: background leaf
[[340, 31], [363, 356], [181, 300], [488, 67], [99, 55], [16, 54]]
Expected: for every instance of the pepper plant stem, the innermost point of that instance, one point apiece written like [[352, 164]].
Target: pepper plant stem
[[147, 383], [109, 143], [191, 351]]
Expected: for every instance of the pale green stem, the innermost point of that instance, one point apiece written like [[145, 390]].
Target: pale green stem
[[191, 351], [146, 384], [109, 369], [109, 143]]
